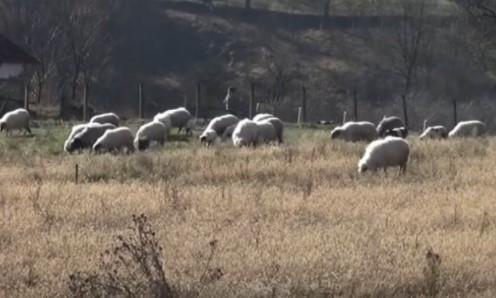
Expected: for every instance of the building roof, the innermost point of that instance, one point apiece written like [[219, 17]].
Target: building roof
[[11, 53]]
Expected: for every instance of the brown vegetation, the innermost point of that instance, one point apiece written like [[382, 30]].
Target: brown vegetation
[[294, 220]]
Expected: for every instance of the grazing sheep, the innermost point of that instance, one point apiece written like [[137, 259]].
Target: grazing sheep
[[388, 123], [228, 132], [355, 132], [401, 132], [245, 133], [15, 120], [262, 116], [217, 127], [278, 126], [154, 131], [106, 118], [115, 140], [74, 131], [472, 128], [87, 136], [178, 118], [384, 153], [266, 132], [434, 132]]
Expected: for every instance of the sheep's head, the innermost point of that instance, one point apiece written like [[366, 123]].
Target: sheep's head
[[336, 133], [362, 167], [74, 144], [98, 148], [208, 137], [143, 144]]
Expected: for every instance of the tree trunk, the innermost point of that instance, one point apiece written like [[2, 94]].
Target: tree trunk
[[455, 112], [355, 105], [405, 110], [325, 14]]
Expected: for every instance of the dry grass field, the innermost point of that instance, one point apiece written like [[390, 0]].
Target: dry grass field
[[289, 221]]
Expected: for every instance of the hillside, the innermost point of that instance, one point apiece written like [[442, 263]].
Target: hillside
[[355, 52]]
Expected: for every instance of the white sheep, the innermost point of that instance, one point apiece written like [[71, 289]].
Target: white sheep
[[154, 131], [384, 153], [15, 120], [355, 131], [262, 116], [389, 123], [401, 132], [115, 140], [471, 128], [216, 127], [278, 126], [87, 136], [74, 130], [266, 132], [245, 133], [178, 118], [434, 132], [106, 118], [228, 132]]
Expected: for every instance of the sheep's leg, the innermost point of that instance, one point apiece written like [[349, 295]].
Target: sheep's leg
[[403, 169], [28, 130]]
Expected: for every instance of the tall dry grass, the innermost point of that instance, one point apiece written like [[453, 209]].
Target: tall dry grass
[[289, 221]]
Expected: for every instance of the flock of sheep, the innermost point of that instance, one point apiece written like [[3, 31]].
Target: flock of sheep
[[103, 134], [387, 145]]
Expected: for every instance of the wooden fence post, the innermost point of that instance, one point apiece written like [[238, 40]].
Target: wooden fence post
[[257, 109], [197, 99], [355, 105], [252, 100], [304, 103], [344, 117], [185, 101], [141, 101], [405, 110], [26, 96], [76, 174], [300, 116], [85, 103], [455, 112]]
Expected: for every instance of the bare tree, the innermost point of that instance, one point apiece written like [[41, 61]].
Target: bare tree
[[409, 47], [87, 40], [32, 24]]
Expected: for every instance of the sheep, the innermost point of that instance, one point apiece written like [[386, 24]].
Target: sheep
[[266, 133], [106, 118], [217, 127], [401, 132], [88, 136], [472, 128], [150, 132], [262, 116], [355, 132], [74, 131], [434, 132], [384, 153], [388, 123], [278, 126], [115, 140], [15, 120], [245, 133], [175, 118], [228, 132]]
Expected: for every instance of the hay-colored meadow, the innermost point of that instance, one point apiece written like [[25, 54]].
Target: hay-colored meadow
[[289, 221]]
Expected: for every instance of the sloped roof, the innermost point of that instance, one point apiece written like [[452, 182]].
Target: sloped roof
[[11, 53]]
